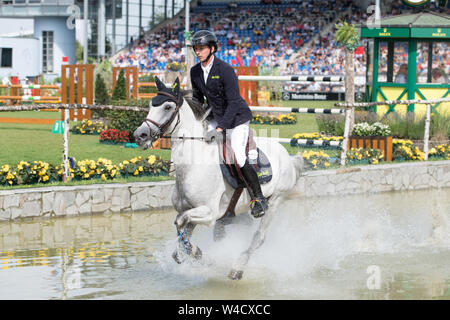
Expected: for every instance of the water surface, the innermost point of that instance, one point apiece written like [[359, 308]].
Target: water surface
[[382, 246]]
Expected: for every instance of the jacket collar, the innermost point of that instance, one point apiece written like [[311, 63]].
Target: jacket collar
[[213, 68]]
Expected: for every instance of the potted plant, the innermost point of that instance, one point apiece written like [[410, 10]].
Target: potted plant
[[372, 136]]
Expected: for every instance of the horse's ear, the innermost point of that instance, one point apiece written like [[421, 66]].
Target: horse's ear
[[176, 87], [161, 86]]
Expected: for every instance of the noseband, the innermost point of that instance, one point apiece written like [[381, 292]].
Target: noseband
[[163, 127]]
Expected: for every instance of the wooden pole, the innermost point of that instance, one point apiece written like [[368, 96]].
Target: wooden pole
[[66, 171], [348, 113], [427, 131]]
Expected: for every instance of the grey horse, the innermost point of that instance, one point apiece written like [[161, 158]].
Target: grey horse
[[201, 194]]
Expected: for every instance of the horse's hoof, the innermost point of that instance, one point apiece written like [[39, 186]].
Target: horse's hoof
[[235, 274], [177, 257], [197, 254]]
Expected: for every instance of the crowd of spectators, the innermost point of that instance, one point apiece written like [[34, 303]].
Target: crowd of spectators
[[269, 33]]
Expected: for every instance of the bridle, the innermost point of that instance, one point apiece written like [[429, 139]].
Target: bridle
[[163, 127]]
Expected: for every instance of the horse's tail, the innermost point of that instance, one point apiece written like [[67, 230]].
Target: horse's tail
[[298, 164]]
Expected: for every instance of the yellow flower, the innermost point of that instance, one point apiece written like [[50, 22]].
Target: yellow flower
[[5, 168], [141, 169], [136, 173], [103, 177], [9, 176], [151, 159], [83, 169], [45, 178]]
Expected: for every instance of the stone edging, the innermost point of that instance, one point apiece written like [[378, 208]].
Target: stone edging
[[138, 196]]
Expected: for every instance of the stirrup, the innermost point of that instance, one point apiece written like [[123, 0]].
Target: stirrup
[[258, 207]]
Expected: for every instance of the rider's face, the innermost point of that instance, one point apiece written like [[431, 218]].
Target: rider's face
[[202, 52]]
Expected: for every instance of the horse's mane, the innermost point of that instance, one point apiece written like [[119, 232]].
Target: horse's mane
[[197, 108]]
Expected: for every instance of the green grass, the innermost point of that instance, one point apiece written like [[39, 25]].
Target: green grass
[[31, 114], [36, 142], [29, 142]]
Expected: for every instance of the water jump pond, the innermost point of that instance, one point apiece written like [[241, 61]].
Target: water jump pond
[[379, 246]]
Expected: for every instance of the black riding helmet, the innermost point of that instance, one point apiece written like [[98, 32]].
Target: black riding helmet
[[205, 38]]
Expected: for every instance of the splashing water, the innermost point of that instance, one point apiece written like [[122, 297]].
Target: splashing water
[[323, 248]]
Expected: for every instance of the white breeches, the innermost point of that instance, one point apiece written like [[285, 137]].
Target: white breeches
[[238, 137]]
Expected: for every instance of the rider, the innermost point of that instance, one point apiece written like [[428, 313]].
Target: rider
[[216, 80]]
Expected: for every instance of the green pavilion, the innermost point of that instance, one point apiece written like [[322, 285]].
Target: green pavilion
[[408, 57]]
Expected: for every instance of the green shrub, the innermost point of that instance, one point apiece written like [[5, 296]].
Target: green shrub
[[101, 93], [404, 127], [440, 125], [120, 90], [127, 121], [101, 96], [332, 124]]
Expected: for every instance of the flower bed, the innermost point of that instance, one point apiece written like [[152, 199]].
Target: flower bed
[[363, 129], [405, 150], [316, 136], [41, 172], [114, 136], [88, 127], [361, 155], [281, 119], [315, 160], [441, 151], [151, 166]]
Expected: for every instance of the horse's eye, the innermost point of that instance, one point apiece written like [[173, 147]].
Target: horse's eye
[[168, 107]]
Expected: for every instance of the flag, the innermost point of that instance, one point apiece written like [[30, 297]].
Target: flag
[[359, 50]]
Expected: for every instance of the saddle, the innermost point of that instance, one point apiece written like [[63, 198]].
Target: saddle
[[233, 175], [230, 168]]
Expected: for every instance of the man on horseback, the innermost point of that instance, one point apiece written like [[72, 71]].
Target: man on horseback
[[216, 80]]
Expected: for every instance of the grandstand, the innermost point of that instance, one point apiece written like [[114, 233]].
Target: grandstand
[[293, 37]]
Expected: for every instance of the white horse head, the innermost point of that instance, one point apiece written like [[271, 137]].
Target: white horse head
[[201, 195]]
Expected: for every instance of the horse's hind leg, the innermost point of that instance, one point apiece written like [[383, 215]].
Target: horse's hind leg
[[258, 239], [219, 227]]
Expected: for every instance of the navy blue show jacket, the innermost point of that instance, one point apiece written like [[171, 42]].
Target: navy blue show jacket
[[222, 94]]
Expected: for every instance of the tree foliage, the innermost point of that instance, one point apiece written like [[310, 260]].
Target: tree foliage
[[347, 35]]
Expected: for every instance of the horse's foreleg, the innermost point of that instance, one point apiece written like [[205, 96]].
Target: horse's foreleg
[[185, 223], [257, 240], [185, 247]]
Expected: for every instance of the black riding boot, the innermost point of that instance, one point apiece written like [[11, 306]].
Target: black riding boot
[[259, 203]]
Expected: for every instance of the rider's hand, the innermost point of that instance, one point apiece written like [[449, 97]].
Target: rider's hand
[[219, 129]]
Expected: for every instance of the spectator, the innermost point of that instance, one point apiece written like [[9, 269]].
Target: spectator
[[402, 75], [438, 76]]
